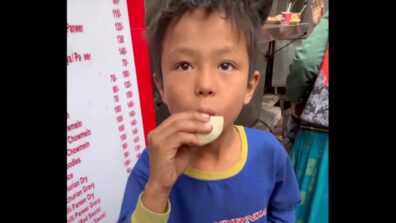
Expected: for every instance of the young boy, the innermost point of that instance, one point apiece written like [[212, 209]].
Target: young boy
[[203, 62]]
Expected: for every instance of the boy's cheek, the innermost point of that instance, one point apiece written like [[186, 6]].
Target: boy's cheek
[[175, 105]]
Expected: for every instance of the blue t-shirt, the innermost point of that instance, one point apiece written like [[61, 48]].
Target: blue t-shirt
[[261, 187]]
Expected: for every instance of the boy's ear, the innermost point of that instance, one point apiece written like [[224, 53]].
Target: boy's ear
[[159, 85], [252, 84]]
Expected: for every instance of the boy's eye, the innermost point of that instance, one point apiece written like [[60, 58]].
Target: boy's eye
[[183, 66], [227, 66]]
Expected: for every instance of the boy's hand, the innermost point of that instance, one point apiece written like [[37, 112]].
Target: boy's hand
[[169, 154], [317, 8]]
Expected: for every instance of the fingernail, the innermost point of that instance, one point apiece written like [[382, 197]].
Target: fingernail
[[204, 115], [208, 125]]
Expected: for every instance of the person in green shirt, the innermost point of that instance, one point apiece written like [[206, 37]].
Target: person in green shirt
[[307, 90]]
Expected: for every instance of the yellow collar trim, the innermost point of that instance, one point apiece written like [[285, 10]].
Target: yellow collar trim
[[219, 175]]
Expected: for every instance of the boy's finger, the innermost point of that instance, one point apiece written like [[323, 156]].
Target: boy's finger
[[188, 126], [183, 138], [190, 115], [191, 122]]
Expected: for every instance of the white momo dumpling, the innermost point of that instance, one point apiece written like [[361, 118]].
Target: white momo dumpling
[[217, 124]]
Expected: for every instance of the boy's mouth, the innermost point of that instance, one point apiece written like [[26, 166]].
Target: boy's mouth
[[206, 110]]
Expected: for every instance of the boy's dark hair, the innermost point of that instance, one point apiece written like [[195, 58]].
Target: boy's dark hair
[[247, 16]]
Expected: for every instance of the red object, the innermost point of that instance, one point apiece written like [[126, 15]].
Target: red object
[[142, 63], [286, 17], [325, 68]]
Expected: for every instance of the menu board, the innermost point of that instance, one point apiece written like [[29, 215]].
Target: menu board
[[105, 127]]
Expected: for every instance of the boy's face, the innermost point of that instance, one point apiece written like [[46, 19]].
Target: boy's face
[[205, 66]]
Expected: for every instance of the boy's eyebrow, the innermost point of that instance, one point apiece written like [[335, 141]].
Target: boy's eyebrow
[[192, 52], [225, 50], [182, 51]]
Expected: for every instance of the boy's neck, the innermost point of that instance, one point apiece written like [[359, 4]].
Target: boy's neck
[[220, 155]]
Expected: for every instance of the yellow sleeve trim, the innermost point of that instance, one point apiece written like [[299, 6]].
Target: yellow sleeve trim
[[144, 215]]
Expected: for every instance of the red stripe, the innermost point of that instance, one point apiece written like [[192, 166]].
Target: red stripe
[[325, 63], [142, 63], [325, 67]]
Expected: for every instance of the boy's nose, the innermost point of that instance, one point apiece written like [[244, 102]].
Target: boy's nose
[[204, 84], [205, 92]]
